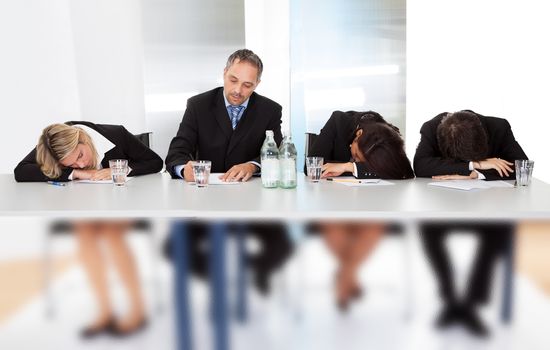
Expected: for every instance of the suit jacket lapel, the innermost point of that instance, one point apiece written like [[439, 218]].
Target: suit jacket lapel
[[221, 115]]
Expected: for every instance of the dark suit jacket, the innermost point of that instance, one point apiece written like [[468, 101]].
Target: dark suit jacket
[[428, 160], [334, 140], [205, 132], [141, 158]]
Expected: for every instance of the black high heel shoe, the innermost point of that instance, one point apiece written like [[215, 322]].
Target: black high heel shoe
[[92, 332], [119, 333]]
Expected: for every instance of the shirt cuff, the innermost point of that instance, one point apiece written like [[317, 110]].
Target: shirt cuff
[[71, 176], [177, 170], [256, 164], [480, 176], [354, 169]]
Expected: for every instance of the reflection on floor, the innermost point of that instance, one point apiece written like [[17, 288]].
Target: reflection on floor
[[300, 314]]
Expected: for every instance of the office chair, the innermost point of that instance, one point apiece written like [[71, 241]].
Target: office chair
[[64, 227]]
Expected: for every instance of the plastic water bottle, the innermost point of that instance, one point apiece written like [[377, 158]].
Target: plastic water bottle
[[287, 163], [270, 161]]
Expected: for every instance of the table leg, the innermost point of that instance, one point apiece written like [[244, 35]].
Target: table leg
[[508, 294], [218, 287], [180, 249]]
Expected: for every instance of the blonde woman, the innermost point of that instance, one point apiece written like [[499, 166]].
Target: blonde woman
[[82, 150]]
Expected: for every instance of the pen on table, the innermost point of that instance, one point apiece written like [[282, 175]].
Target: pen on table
[[343, 180], [353, 180], [57, 183]]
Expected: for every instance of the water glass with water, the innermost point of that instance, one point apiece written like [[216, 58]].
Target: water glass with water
[[201, 172], [314, 165], [524, 171], [119, 170]]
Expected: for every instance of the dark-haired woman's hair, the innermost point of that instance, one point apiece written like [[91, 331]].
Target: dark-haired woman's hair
[[383, 148]]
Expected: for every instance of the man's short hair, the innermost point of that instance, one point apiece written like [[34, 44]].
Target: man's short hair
[[461, 136], [245, 55]]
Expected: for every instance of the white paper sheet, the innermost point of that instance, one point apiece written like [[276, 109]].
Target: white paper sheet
[[110, 181], [467, 185], [214, 179]]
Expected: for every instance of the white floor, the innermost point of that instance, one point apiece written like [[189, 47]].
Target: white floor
[[300, 314]]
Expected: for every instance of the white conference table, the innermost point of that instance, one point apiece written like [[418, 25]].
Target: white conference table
[[157, 195]]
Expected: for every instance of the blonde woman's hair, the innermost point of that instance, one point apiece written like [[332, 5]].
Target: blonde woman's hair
[[57, 142]]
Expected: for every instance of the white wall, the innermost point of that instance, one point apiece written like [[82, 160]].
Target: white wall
[[38, 83], [490, 56], [267, 34], [109, 60], [67, 60], [186, 45]]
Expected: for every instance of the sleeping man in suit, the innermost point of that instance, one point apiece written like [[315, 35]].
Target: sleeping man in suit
[[466, 145], [227, 126]]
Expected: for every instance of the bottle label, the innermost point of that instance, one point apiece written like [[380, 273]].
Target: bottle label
[[270, 172], [288, 171]]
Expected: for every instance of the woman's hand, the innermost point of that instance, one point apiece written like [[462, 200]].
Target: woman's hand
[[95, 175], [336, 169], [102, 174], [79, 174]]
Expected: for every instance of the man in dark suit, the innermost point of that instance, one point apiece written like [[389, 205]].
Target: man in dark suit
[[227, 126], [466, 145]]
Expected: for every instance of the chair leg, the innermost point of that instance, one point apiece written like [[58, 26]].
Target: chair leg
[[407, 272], [157, 288], [180, 244], [46, 277], [242, 297], [298, 239], [218, 289], [508, 294]]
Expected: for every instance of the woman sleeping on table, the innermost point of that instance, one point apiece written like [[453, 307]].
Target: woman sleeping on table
[[365, 145], [82, 150]]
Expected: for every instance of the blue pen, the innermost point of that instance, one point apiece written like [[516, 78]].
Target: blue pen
[[57, 183]]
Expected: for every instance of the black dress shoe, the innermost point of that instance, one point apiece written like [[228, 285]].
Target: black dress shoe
[[448, 316], [92, 332], [473, 323], [261, 282], [119, 333], [262, 275]]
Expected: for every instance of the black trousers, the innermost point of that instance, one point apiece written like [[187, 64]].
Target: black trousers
[[493, 240], [275, 245]]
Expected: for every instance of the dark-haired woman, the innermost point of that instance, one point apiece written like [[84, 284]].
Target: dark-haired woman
[[365, 145], [82, 150]]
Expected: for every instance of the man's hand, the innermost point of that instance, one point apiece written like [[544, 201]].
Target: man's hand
[[188, 172], [502, 166], [336, 169], [240, 172], [472, 176]]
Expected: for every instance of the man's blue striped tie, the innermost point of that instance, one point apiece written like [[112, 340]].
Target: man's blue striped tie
[[235, 112]]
